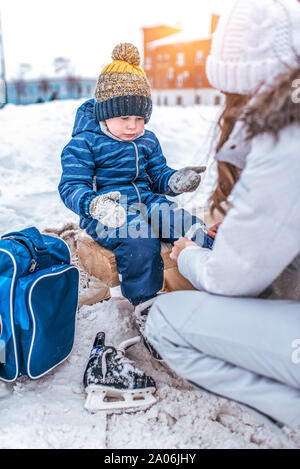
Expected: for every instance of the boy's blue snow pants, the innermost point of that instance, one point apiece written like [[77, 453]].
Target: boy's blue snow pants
[[137, 245]]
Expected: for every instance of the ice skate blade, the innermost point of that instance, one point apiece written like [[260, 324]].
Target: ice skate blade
[[129, 401]]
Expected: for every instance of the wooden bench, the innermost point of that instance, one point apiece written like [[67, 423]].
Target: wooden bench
[[100, 262]]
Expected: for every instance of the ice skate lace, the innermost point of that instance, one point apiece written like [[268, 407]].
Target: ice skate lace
[[119, 356]]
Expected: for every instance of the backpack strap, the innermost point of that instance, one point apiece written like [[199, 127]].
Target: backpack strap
[[2, 344], [33, 240]]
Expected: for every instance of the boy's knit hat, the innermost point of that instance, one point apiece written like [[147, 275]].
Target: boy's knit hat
[[123, 88], [254, 43]]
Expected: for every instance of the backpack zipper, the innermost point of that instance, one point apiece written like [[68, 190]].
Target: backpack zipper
[[33, 262]]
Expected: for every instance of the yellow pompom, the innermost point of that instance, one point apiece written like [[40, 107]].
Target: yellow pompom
[[127, 52]]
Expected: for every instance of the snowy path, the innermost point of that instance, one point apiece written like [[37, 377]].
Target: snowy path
[[49, 413], [32, 138]]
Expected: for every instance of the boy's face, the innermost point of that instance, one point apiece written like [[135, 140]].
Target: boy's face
[[126, 128]]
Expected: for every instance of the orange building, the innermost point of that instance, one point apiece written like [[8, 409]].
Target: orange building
[[175, 63]]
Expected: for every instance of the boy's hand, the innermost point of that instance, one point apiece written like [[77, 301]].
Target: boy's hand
[[179, 246], [186, 180], [107, 211]]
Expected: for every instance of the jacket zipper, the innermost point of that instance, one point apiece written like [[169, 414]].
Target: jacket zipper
[[137, 171]]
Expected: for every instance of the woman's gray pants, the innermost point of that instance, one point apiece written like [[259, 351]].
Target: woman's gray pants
[[243, 349]]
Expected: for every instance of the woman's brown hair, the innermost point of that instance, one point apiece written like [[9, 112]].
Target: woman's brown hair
[[228, 174]]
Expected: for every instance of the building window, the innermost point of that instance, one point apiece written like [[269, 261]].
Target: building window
[[166, 58], [148, 63], [198, 100], [199, 80], [199, 57], [171, 73], [64, 90], [180, 59], [158, 101], [180, 80], [30, 92], [179, 100], [217, 100], [165, 101]]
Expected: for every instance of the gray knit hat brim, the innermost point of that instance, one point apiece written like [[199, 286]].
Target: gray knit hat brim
[[129, 105]]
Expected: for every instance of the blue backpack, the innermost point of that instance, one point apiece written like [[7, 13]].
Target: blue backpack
[[38, 303]]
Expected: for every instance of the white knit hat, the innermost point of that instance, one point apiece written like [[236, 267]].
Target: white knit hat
[[255, 42]]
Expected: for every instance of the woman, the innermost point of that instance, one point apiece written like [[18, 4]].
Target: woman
[[234, 337]]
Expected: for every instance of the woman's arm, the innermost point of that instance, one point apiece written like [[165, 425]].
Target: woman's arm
[[260, 236]]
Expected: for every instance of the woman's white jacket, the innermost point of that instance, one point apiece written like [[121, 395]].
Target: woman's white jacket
[[260, 236]]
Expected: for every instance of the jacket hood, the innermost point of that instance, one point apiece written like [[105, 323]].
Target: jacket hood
[[86, 119], [275, 107]]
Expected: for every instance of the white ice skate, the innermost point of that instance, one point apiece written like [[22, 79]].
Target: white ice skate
[[111, 381]]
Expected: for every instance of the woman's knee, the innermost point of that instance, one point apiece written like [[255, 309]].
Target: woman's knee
[[172, 310], [177, 306]]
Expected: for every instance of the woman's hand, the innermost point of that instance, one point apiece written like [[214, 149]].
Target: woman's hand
[[179, 246], [213, 230]]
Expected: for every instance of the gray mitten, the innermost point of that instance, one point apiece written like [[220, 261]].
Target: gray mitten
[[105, 209], [186, 179]]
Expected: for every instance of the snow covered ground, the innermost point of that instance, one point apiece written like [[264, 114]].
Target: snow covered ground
[[49, 413], [32, 138]]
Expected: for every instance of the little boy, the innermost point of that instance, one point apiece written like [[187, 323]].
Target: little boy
[[115, 178]]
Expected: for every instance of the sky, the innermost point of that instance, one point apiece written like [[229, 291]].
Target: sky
[[35, 32]]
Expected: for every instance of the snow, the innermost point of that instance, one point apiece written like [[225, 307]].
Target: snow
[[32, 138], [179, 38], [49, 412]]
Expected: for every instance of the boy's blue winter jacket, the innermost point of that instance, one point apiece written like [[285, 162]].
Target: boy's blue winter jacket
[[93, 164]]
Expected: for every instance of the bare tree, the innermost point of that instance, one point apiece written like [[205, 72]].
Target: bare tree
[[23, 69], [20, 82], [44, 87], [20, 89], [62, 65], [3, 88]]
